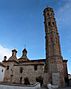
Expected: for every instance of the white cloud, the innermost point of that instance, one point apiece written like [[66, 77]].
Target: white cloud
[[4, 52]]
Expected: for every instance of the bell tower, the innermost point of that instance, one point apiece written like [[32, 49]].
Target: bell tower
[[54, 60], [52, 36]]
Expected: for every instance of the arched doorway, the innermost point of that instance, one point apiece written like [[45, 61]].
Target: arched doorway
[[20, 80], [26, 81], [40, 80]]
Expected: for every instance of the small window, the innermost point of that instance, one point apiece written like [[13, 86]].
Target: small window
[[35, 67], [49, 23], [7, 67], [52, 23], [2, 70], [21, 69], [51, 13], [48, 14]]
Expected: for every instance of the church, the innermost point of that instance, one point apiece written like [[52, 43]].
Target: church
[[52, 69]]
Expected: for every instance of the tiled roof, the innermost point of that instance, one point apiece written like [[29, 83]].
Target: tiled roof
[[13, 58], [32, 62]]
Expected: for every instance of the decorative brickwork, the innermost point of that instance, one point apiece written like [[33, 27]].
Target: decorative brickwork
[[54, 63]]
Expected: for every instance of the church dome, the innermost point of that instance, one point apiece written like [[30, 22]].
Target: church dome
[[13, 57]]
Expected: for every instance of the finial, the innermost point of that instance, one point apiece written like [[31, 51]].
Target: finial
[[24, 45]]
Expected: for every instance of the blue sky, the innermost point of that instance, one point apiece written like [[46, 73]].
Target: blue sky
[[21, 25]]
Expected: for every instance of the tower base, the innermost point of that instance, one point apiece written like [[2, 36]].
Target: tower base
[[54, 79]]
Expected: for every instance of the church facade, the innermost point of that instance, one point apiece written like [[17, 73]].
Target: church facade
[[52, 69]]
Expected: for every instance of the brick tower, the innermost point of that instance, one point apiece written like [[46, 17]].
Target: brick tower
[[54, 60]]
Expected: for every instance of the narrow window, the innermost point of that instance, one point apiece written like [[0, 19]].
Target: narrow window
[[7, 67], [35, 67], [49, 23], [21, 69], [52, 23]]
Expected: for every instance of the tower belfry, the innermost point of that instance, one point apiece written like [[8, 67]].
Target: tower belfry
[[54, 60], [52, 36]]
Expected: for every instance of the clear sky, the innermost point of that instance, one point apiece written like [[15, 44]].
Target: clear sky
[[21, 25]]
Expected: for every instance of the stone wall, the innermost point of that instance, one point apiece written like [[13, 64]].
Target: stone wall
[[28, 71], [8, 71], [2, 71]]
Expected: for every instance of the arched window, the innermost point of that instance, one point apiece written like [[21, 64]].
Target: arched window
[[48, 14], [53, 23]]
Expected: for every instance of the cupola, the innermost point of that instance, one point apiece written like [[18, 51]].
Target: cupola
[[14, 52], [24, 53]]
